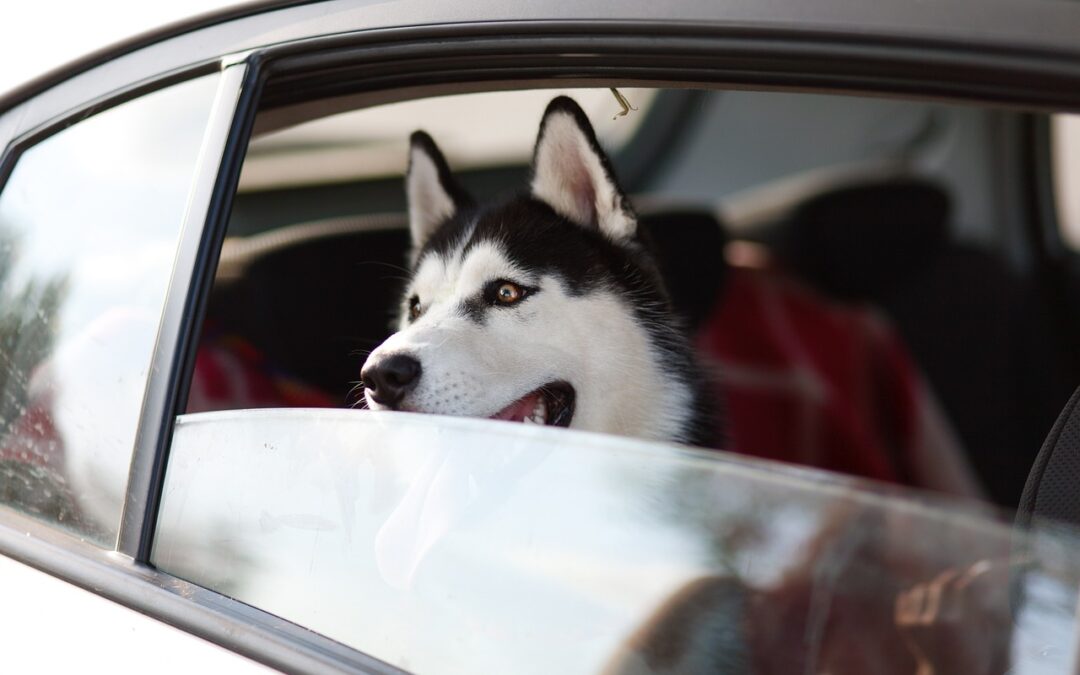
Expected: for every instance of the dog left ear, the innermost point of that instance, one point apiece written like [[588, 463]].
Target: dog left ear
[[573, 175], [433, 194]]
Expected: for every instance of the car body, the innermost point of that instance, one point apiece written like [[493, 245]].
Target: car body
[[411, 528]]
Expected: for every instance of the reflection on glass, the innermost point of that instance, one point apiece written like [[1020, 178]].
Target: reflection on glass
[[89, 223], [448, 545]]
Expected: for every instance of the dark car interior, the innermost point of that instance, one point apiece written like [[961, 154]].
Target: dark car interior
[[871, 215]]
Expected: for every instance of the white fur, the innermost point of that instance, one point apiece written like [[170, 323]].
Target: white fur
[[570, 177], [592, 341], [429, 202]]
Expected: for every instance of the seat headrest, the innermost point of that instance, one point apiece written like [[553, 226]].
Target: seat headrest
[[314, 305], [689, 246], [856, 241], [1052, 491]]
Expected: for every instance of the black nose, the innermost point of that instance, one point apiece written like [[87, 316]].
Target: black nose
[[390, 378]]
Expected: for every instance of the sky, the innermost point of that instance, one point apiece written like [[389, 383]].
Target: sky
[[45, 34]]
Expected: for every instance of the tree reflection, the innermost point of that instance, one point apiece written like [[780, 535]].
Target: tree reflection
[[733, 521], [30, 450], [28, 329]]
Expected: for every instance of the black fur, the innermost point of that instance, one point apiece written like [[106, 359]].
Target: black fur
[[461, 198]]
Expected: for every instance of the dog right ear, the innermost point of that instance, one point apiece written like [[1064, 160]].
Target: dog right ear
[[433, 194], [573, 176]]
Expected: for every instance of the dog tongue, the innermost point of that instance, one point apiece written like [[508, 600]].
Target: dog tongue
[[519, 409]]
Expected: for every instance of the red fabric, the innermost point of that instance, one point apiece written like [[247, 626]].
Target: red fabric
[[33, 438], [811, 382], [231, 374]]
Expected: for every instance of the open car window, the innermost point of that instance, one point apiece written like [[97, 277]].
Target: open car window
[[799, 235], [444, 545], [801, 275]]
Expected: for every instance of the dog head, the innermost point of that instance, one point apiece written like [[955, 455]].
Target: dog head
[[545, 309]]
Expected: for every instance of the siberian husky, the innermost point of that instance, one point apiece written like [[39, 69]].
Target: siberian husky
[[546, 309]]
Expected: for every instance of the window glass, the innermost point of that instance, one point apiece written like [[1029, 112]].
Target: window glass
[[1065, 148], [89, 224], [451, 545]]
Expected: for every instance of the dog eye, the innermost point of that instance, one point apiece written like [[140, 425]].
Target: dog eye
[[507, 292], [414, 308]]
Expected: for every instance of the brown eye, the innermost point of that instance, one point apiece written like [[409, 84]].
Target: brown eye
[[414, 308], [503, 293], [508, 293]]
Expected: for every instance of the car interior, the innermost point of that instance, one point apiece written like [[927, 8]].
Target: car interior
[[867, 280]]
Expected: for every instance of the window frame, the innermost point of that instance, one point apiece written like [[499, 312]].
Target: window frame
[[201, 237], [763, 53]]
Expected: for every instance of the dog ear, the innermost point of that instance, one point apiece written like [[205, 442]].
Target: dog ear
[[573, 175], [433, 194]]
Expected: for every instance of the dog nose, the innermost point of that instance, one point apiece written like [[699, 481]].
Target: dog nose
[[389, 379]]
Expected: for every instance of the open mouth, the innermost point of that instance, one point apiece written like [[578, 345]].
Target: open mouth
[[551, 405]]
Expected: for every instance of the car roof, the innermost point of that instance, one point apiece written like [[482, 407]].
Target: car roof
[[1032, 26]]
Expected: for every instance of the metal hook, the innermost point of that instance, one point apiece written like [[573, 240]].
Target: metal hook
[[623, 103]]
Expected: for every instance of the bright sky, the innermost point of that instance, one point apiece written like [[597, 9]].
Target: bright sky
[[44, 34]]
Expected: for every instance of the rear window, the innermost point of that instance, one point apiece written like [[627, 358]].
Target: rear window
[[90, 218]]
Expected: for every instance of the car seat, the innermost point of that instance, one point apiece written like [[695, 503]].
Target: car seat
[[312, 299], [980, 332], [801, 378]]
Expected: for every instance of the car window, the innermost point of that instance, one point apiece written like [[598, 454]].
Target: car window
[[799, 236], [89, 224], [449, 545]]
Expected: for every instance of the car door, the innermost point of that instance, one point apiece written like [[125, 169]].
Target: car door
[[177, 564]]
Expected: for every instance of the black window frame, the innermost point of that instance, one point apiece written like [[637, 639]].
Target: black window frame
[[724, 52]]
